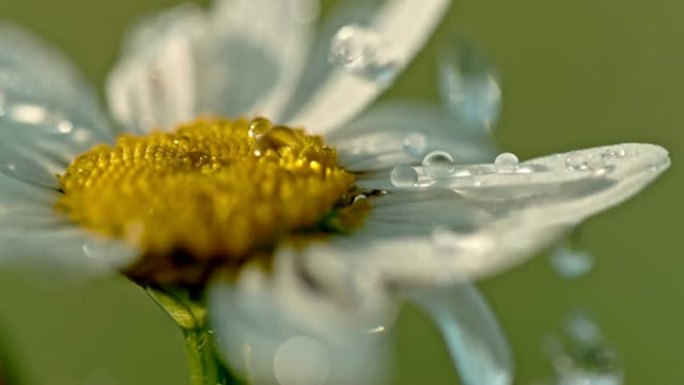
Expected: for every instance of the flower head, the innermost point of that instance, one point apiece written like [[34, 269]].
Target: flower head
[[302, 231]]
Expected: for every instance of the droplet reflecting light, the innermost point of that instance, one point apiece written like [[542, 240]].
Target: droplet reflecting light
[[470, 86], [506, 163], [363, 52], [576, 161], [438, 163], [415, 143], [404, 176]]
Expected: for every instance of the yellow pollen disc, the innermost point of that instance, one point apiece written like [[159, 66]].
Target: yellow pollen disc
[[213, 192]]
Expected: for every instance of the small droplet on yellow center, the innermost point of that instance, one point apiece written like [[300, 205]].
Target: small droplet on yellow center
[[211, 193]]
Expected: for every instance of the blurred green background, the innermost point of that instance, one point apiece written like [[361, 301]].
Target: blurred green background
[[575, 73]]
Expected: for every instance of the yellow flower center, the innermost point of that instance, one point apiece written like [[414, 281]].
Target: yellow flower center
[[213, 193]]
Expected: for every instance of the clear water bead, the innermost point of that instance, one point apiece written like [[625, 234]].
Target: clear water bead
[[438, 163], [415, 143], [576, 161], [363, 52], [570, 264], [469, 85], [506, 163], [404, 176]]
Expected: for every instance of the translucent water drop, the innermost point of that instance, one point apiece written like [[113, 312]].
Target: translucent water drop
[[582, 329], [363, 52], [576, 161], [258, 127], [278, 139], [569, 263], [438, 163], [506, 163], [469, 86], [404, 176], [415, 143]]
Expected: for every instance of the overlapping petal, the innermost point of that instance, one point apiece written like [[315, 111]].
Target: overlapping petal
[[477, 222], [243, 57], [290, 326], [342, 95]]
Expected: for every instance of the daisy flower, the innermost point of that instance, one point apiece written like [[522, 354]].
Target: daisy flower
[[237, 177]]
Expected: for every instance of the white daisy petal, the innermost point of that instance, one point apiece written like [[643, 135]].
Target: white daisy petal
[[318, 67], [34, 237], [47, 112], [260, 49], [408, 23], [244, 57], [154, 84], [458, 230], [402, 133], [62, 249], [286, 329], [475, 340]]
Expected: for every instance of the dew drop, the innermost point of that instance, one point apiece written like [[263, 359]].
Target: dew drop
[[438, 163], [404, 176], [570, 264], [506, 163], [363, 52], [258, 127], [65, 126], [415, 144], [469, 86], [576, 161], [277, 138]]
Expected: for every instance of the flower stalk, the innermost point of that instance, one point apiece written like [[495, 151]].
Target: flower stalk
[[190, 315]]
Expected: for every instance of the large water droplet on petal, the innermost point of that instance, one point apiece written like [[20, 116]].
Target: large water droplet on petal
[[438, 164], [363, 52], [506, 163], [404, 176], [415, 143], [470, 86], [576, 161]]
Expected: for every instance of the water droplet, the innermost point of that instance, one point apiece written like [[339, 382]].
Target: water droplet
[[569, 263], [404, 176], [65, 126], [363, 52], [506, 163], [415, 143], [582, 329], [182, 140], [576, 161], [438, 163], [469, 86], [258, 127], [277, 139], [601, 171]]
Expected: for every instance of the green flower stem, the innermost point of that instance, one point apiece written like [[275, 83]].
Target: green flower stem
[[204, 364]]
